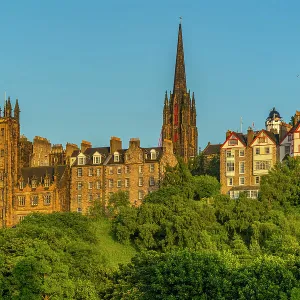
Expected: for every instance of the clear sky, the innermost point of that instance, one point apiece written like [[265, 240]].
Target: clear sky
[[94, 69]]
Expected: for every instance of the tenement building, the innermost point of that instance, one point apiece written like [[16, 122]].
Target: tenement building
[[97, 173], [244, 158], [179, 113], [40, 177]]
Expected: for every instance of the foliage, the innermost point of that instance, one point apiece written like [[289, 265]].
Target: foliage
[[52, 256], [205, 186], [282, 184], [204, 165], [194, 275]]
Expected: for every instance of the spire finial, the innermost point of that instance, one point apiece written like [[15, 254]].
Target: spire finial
[[180, 20]]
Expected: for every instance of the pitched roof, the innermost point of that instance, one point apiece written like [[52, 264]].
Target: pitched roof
[[40, 173], [212, 149]]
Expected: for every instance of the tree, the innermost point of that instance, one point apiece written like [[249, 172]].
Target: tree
[[206, 186], [282, 183]]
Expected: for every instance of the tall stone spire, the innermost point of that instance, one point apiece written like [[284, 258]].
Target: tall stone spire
[[179, 78], [179, 116]]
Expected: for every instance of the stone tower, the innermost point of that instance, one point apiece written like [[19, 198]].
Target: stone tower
[[179, 113], [9, 159]]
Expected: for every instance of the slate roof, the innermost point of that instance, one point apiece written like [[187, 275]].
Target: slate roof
[[40, 173], [107, 157], [212, 149]]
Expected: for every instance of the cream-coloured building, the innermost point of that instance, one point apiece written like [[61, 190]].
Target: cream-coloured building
[[244, 158]]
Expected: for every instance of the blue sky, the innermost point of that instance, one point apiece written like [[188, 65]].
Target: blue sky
[[94, 69]]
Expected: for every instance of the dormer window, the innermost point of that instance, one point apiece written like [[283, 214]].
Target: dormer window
[[153, 154], [21, 185], [97, 159], [47, 182], [33, 183], [81, 159], [116, 157]]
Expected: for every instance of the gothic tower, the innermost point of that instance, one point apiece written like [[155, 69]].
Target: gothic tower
[[179, 113], [9, 159]]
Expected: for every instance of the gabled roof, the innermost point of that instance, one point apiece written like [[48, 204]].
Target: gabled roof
[[241, 137], [273, 137], [291, 131]]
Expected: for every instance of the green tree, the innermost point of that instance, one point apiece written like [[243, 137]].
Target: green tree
[[282, 183]]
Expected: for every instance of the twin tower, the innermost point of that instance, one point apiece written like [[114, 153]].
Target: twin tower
[[179, 113]]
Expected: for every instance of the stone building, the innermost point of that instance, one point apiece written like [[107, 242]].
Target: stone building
[[244, 158], [179, 113], [25, 189], [97, 173]]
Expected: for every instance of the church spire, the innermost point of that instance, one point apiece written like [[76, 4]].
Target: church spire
[[179, 78]]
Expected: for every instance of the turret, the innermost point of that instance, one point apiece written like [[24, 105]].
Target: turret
[[17, 111], [8, 108]]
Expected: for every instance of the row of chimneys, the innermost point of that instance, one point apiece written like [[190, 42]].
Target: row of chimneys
[[116, 144]]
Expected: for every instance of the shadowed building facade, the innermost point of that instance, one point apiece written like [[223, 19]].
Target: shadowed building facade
[[179, 113]]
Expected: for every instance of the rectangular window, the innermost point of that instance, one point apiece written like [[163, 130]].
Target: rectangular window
[[119, 183], [97, 159], [90, 197], [110, 171], [257, 150], [253, 194], [242, 180], [47, 199], [91, 172], [98, 172], [230, 166], [21, 184], [98, 185], [151, 181], [79, 172], [2, 152], [233, 142], [262, 139], [79, 185], [151, 168], [141, 195], [127, 169], [127, 182], [21, 200], [81, 160], [228, 153], [79, 198], [140, 169], [242, 153], [2, 131], [110, 183], [119, 170], [90, 185], [242, 167], [286, 149], [79, 210], [34, 200], [21, 218], [230, 181], [267, 150], [257, 180], [140, 181], [97, 196]]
